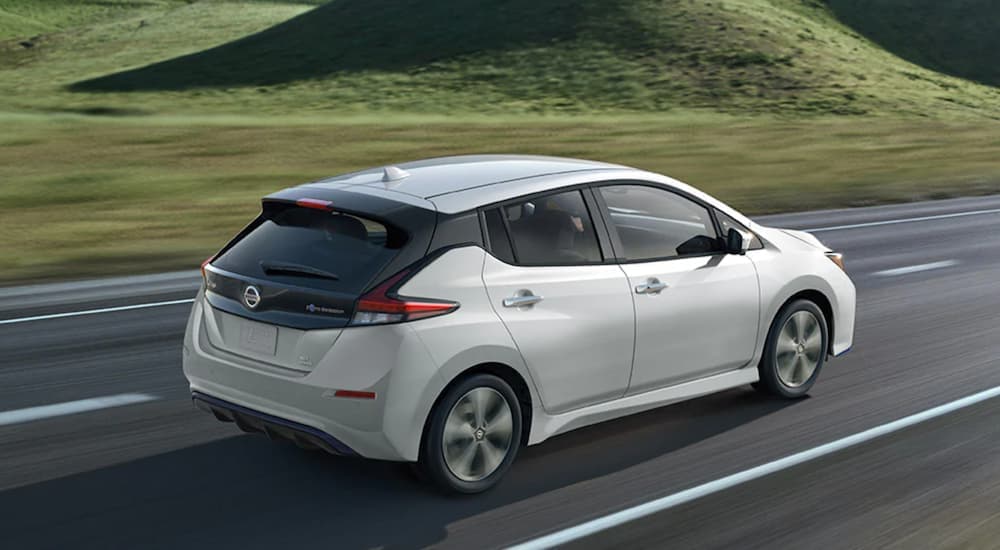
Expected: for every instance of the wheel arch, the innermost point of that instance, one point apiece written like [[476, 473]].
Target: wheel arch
[[505, 372], [821, 301]]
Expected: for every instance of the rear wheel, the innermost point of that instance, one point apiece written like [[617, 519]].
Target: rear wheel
[[795, 350], [473, 435]]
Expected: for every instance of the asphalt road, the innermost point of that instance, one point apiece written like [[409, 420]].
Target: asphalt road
[[163, 474]]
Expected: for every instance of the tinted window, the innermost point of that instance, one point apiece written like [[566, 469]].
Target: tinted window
[[350, 248], [497, 233], [726, 223], [552, 230], [654, 223]]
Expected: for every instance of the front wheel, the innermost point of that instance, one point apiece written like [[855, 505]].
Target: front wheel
[[795, 350], [472, 436]]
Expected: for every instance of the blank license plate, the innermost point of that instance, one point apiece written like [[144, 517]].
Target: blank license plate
[[258, 338]]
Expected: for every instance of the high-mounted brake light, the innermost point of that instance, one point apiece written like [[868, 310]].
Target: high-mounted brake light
[[315, 204], [383, 306]]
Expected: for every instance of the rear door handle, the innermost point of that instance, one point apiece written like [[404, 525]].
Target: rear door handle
[[651, 286], [523, 298]]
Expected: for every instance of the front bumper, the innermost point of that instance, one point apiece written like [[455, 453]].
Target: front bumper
[[252, 421]]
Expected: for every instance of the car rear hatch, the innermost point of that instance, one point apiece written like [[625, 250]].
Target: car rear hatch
[[285, 287]]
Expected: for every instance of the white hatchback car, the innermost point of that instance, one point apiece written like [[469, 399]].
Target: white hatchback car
[[449, 311]]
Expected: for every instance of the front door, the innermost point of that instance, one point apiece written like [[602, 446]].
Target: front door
[[696, 307]]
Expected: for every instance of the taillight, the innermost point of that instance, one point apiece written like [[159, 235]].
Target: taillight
[[383, 306]]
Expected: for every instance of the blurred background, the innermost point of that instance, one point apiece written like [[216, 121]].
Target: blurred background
[[138, 135]]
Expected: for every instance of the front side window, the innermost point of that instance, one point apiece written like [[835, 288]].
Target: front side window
[[551, 230], [655, 224]]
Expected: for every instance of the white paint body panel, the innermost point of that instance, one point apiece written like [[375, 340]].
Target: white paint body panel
[[546, 426], [578, 340], [788, 266], [590, 351], [703, 323]]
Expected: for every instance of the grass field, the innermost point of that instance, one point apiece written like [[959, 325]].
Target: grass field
[[137, 135], [83, 198]]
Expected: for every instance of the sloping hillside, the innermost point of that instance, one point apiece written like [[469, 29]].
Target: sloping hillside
[[792, 57], [23, 19], [735, 55], [958, 37]]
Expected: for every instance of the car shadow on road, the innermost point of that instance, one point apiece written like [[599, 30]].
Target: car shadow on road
[[245, 492]]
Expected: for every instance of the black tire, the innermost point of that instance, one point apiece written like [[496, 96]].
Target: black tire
[[433, 465], [771, 380]]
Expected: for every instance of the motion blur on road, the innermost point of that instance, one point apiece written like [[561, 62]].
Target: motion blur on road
[[158, 473], [137, 137]]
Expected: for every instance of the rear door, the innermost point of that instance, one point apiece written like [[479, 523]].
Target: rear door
[[696, 307], [282, 291], [568, 309]]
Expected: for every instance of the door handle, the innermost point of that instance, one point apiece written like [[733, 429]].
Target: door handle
[[523, 298], [651, 286]]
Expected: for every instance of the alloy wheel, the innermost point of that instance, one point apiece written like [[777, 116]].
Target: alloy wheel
[[477, 434], [799, 348]]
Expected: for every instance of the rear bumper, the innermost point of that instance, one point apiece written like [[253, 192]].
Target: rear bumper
[[274, 427], [388, 361]]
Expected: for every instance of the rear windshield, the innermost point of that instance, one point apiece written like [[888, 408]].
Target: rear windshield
[[313, 248]]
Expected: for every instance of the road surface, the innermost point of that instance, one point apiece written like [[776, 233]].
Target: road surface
[[80, 471]]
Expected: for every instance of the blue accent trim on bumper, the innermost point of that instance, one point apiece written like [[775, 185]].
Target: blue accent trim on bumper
[[841, 354], [332, 444]]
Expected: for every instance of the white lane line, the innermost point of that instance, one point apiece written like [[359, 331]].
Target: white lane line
[[72, 407], [665, 503], [93, 311], [903, 220], [915, 268]]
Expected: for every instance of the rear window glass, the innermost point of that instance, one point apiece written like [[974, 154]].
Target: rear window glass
[[314, 248]]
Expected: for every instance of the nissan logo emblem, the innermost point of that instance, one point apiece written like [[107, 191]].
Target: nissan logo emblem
[[251, 296]]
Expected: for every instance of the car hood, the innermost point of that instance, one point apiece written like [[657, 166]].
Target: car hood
[[802, 237], [805, 237]]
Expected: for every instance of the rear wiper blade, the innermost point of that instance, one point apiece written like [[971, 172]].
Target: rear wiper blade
[[297, 269]]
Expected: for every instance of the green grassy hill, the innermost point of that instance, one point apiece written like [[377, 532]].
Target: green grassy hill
[[508, 56], [958, 37], [24, 19]]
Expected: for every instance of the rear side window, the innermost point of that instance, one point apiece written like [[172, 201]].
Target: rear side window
[[655, 224], [497, 233], [554, 229], [313, 248]]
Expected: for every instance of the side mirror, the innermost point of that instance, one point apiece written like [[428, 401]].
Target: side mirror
[[737, 242]]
